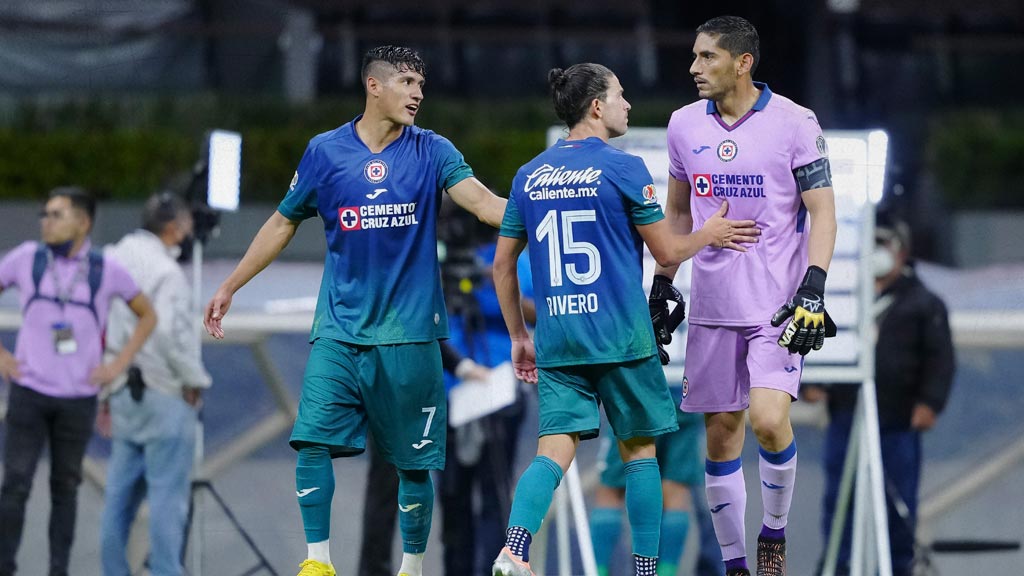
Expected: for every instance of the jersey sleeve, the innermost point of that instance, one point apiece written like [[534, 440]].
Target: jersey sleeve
[[808, 142], [512, 224], [13, 262], [300, 202], [637, 188], [451, 166]]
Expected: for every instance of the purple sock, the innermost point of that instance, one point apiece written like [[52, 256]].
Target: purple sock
[[736, 564], [773, 533]]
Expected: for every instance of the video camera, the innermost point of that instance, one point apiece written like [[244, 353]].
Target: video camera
[[459, 237]]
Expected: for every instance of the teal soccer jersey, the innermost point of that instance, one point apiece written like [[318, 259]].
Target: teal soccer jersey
[[381, 282], [577, 205]]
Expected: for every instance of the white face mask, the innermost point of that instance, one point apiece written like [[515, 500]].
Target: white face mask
[[882, 262], [174, 251]]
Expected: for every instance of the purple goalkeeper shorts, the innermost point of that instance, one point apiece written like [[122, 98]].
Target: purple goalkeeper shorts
[[724, 362]]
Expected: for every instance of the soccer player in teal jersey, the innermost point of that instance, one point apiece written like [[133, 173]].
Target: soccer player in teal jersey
[[376, 183], [585, 208]]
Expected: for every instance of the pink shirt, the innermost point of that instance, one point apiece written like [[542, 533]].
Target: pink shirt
[[42, 368], [751, 165]]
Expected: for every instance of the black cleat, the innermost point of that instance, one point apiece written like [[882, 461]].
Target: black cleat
[[771, 556]]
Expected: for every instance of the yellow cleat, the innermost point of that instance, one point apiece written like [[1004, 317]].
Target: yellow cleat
[[315, 568]]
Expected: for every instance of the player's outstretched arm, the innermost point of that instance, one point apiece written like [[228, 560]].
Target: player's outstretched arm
[[506, 284], [272, 238], [477, 199], [670, 249]]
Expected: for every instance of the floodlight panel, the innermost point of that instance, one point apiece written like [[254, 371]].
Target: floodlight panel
[[225, 170]]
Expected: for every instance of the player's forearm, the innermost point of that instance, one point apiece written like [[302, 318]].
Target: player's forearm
[[506, 285], [822, 240], [269, 242], [681, 225], [493, 210]]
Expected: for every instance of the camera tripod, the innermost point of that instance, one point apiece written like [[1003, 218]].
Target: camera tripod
[[207, 486]]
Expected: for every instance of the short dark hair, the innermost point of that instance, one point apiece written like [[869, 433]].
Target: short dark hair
[[735, 35], [573, 89], [400, 57], [79, 197], [161, 208]]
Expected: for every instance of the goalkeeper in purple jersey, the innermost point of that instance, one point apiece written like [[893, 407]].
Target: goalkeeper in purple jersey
[[767, 157]]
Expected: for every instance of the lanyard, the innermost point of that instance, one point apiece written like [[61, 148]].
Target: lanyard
[[64, 295]]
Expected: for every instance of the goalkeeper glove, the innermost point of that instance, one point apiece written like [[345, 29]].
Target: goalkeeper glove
[[810, 323], [664, 323]]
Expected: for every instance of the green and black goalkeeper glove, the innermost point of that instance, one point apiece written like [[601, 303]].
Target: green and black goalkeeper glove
[[664, 323], [810, 324]]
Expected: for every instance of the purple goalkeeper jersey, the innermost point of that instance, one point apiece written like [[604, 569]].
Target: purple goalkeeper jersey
[[751, 165]]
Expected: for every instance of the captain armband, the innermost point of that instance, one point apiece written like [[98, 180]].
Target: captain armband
[[815, 175]]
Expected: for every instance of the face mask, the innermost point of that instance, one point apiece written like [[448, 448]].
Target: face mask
[[174, 251], [62, 249], [882, 262]]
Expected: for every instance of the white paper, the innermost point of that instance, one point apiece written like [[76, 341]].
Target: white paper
[[472, 399]]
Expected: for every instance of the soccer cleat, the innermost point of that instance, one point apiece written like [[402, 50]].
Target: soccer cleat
[[771, 556], [506, 564], [738, 572], [315, 568]]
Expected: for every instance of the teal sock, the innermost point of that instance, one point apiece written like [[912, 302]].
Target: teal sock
[[416, 509], [605, 529], [643, 505], [314, 486], [674, 526], [534, 492]]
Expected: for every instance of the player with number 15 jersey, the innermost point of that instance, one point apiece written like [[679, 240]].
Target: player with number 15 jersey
[[579, 201]]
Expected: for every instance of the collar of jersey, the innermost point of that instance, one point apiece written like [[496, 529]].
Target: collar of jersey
[[762, 100], [355, 135], [574, 143]]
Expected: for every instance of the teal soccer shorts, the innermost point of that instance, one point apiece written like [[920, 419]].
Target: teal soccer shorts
[[396, 390], [634, 393], [680, 453]]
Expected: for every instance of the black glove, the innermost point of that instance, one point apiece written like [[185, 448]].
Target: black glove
[[810, 323], [664, 323]]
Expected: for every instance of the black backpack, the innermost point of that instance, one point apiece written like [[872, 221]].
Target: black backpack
[[39, 265]]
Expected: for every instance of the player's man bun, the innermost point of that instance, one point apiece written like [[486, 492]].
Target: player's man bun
[[556, 78], [573, 89]]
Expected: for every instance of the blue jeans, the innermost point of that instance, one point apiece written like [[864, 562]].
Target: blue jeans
[[151, 457], [901, 465]]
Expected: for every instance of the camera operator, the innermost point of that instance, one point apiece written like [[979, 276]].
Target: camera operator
[[154, 408]]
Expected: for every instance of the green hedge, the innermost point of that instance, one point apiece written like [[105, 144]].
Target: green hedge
[[126, 148], [977, 157]]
